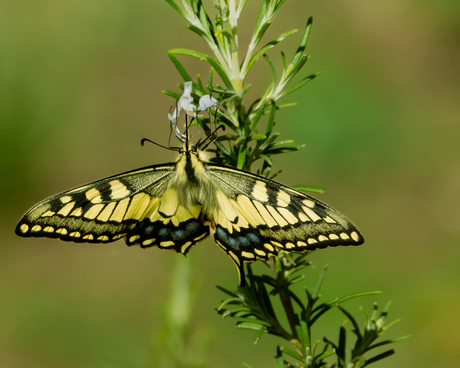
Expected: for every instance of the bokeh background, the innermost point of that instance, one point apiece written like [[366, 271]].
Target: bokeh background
[[80, 85]]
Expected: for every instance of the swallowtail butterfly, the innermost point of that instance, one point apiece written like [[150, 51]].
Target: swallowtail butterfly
[[177, 205]]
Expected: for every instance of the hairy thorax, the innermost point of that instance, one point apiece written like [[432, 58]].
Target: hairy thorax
[[193, 183]]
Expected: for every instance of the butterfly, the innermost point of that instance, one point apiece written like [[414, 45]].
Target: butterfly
[[177, 205]]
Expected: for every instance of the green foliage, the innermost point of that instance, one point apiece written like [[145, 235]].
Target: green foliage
[[252, 305], [247, 141]]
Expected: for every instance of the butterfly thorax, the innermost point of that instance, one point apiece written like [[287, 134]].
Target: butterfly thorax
[[192, 181]]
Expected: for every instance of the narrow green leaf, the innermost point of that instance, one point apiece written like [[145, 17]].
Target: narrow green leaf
[[200, 83], [266, 158], [283, 58], [249, 326], [172, 94], [302, 332], [336, 301], [386, 342], [240, 8], [258, 115], [230, 301], [300, 84], [324, 355], [272, 67], [257, 137], [301, 49], [198, 31], [267, 47], [293, 354], [224, 33], [179, 67], [269, 140], [279, 107], [384, 355], [246, 364], [210, 78], [260, 18], [342, 347], [353, 321], [278, 6], [308, 188], [245, 89], [220, 71], [265, 301], [200, 56], [280, 143], [258, 335], [277, 151], [241, 158], [192, 53], [271, 118], [227, 291]]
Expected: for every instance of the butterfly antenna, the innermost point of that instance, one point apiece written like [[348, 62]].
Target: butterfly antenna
[[186, 132], [160, 145], [212, 137]]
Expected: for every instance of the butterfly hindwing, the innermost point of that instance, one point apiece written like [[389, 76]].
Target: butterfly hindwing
[[258, 217]]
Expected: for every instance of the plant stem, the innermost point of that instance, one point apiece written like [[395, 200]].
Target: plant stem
[[289, 309]]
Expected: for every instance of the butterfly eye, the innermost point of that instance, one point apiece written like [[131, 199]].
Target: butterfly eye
[[181, 150], [194, 149]]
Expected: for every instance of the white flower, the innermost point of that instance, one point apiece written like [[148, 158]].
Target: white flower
[[206, 102], [186, 103]]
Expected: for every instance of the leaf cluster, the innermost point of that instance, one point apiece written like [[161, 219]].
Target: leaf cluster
[[245, 143], [252, 305]]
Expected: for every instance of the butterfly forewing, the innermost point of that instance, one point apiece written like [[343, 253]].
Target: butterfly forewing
[[99, 212]]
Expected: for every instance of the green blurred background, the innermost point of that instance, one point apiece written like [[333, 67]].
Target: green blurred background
[[80, 85]]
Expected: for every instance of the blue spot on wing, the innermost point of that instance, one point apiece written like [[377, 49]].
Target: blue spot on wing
[[246, 240]]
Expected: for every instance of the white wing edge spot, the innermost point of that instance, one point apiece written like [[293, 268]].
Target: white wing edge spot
[[49, 229], [344, 236], [355, 236]]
